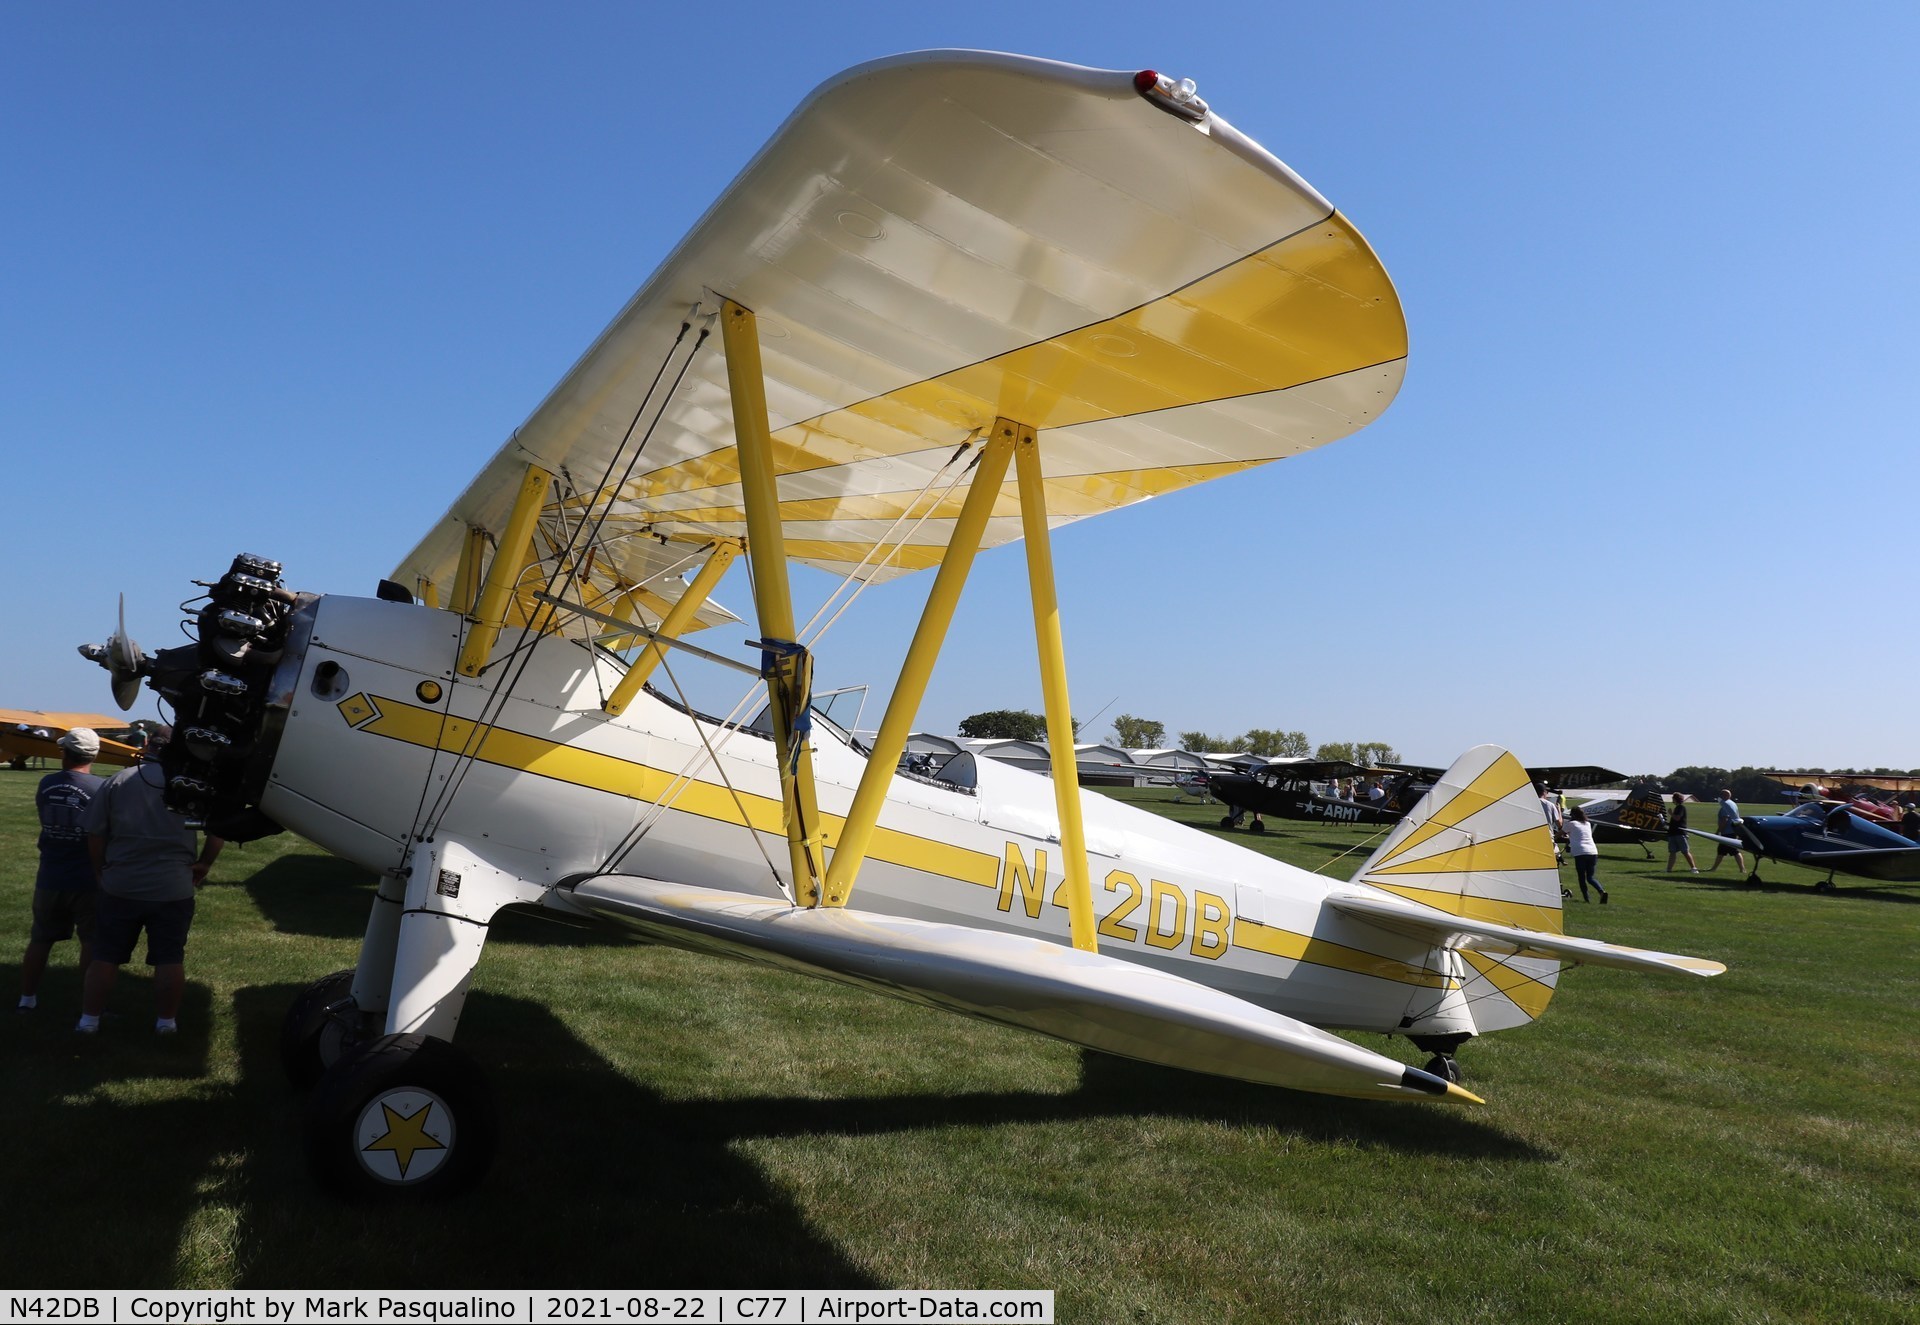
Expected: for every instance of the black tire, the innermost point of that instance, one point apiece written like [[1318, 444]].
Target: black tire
[[1446, 1067], [431, 1101], [1226, 821], [322, 1026], [1257, 826]]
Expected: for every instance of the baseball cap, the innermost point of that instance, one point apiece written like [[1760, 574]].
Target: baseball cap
[[81, 740]]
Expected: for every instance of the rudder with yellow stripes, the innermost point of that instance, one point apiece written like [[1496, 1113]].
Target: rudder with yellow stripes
[[1478, 846]]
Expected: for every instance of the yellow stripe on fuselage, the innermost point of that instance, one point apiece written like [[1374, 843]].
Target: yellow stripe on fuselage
[[506, 748], [502, 747], [1274, 942]]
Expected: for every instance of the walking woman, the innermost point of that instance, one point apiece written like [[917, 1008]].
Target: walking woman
[[1586, 856], [1677, 835]]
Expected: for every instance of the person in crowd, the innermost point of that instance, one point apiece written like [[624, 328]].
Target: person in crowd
[[1586, 856], [148, 870], [63, 888], [1910, 821], [1677, 844], [1727, 824], [1550, 806]]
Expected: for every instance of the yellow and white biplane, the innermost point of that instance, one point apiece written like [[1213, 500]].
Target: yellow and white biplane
[[34, 734], [958, 299]]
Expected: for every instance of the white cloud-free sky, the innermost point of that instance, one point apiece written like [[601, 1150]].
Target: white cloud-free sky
[[281, 279]]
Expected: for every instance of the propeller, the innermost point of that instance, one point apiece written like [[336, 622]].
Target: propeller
[[122, 659]]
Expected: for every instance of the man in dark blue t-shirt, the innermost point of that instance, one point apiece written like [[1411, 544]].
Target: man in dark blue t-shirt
[[63, 890]]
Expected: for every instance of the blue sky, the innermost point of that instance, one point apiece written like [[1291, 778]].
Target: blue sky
[[281, 279]]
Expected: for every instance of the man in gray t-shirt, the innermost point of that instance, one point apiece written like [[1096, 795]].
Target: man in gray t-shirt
[[144, 856]]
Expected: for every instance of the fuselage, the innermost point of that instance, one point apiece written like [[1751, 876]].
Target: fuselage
[[1836, 838], [382, 745]]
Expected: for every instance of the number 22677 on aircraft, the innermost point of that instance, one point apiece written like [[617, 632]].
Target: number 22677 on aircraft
[[959, 298]]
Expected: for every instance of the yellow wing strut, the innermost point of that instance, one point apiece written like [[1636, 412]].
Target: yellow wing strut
[[509, 559], [466, 575], [787, 668], [1053, 688], [671, 625], [856, 835]]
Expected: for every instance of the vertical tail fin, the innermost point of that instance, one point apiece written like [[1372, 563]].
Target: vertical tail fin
[[1478, 846]]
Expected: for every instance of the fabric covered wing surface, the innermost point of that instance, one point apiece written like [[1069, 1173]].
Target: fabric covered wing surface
[[935, 240], [1082, 997]]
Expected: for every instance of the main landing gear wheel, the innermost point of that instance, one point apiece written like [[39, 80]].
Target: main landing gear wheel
[[1226, 821], [1257, 826], [407, 1116], [322, 1026]]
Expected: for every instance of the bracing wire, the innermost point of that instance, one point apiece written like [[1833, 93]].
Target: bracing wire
[[506, 678]]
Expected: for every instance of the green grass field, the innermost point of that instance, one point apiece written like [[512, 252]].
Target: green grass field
[[1739, 1149]]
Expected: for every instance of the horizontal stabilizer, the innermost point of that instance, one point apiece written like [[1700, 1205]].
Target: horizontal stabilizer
[[1408, 917], [1088, 999]]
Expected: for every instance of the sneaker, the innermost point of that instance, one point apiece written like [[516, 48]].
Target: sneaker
[[165, 1026], [27, 1004], [81, 1028], [1603, 899]]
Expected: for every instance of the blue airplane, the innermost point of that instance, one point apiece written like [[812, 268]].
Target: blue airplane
[[1826, 837]]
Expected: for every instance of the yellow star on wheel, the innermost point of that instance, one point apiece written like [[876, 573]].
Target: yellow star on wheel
[[406, 1133]]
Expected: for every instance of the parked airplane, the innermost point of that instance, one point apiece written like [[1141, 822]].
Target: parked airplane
[[1305, 789], [1830, 837], [943, 267], [1638, 817], [33, 734]]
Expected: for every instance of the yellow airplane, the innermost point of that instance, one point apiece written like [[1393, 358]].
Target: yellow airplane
[[34, 734], [959, 299]]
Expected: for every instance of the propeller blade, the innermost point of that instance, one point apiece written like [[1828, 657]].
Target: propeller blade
[[124, 661]]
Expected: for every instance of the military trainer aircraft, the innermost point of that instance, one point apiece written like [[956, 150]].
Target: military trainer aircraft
[[959, 298], [1638, 817], [1301, 789]]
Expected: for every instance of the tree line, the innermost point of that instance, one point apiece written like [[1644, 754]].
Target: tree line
[[1748, 783], [1132, 733]]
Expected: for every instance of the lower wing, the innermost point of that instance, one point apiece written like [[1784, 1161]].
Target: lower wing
[[1083, 997]]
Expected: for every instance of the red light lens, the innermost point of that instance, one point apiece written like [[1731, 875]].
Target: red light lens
[[1145, 80]]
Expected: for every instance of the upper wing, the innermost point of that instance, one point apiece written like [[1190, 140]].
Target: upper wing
[[56, 723], [1573, 777], [932, 241], [31, 733]]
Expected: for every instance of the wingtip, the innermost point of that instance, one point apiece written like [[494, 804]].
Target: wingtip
[[1427, 1083]]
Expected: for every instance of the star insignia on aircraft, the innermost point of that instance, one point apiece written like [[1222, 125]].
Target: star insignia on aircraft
[[405, 1135]]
